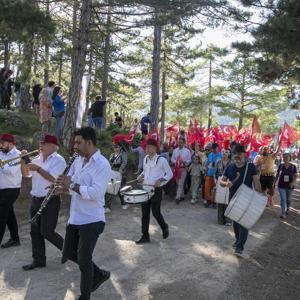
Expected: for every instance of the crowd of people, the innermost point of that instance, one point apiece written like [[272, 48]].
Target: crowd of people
[[170, 171]]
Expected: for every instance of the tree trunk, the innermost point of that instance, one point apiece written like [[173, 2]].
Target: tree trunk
[[77, 70], [25, 77], [155, 75], [209, 96], [47, 54], [104, 86], [242, 107], [35, 61], [6, 53], [61, 57], [87, 104], [163, 95]]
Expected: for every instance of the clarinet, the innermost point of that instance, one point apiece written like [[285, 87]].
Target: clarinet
[[51, 191]]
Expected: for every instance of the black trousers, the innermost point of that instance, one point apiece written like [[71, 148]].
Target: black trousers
[[80, 242], [222, 220], [7, 214], [154, 205], [45, 228]]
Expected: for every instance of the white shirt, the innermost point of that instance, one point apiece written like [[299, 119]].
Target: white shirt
[[184, 153], [93, 178], [10, 176], [155, 169], [55, 165]]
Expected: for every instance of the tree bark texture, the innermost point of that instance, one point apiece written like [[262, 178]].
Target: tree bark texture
[[77, 71], [104, 86], [25, 76], [155, 85]]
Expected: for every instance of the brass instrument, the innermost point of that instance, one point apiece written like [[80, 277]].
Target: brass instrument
[[26, 157]]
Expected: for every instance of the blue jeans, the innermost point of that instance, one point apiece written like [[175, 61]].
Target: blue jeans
[[58, 126], [241, 235], [98, 122], [285, 199]]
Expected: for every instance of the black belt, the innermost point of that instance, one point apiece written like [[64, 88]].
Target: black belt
[[38, 198]]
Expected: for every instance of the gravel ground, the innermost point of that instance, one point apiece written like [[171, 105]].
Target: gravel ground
[[195, 262]]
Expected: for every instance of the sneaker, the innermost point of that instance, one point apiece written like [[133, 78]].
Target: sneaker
[[11, 243], [107, 210], [228, 224], [125, 206], [193, 201], [234, 245], [238, 252], [283, 216]]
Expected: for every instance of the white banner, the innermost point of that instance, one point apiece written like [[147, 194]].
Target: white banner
[[82, 101]]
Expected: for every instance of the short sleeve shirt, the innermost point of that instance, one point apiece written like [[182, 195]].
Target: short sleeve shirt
[[236, 175], [286, 176]]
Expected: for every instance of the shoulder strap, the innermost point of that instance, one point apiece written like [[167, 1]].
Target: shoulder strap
[[246, 171]]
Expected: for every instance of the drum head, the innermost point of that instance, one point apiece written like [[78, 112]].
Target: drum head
[[135, 193]]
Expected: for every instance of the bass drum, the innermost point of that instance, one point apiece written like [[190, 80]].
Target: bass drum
[[114, 184]]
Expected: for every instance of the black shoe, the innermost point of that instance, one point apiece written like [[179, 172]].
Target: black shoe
[[11, 243], [63, 260], [144, 239], [182, 199], [177, 201], [99, 279], [166, 232], [33, 266], [214, 206], [82, 298]]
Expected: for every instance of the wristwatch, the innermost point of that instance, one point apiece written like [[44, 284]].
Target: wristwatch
[[72, 186]]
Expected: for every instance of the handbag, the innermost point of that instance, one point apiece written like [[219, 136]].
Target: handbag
[[247, 205], [222, 193]]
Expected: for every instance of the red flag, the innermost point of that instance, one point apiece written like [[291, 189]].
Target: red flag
[[255, 128], [173, 128], [177, 172], [128, 138]]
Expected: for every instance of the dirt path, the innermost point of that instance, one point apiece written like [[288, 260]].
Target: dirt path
[[196, 262]]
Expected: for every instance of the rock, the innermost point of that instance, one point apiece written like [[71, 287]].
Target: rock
[[12, 119]]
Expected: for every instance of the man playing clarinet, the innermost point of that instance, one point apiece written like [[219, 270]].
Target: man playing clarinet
[[44, 170]]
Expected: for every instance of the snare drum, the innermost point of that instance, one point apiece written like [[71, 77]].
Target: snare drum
[[138, 196], [114, 184]]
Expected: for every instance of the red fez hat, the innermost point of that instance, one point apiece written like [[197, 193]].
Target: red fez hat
[[6, 137], [51, 139], [153, 142]]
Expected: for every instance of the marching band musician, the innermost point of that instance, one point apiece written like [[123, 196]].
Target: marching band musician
[[10, 184], [44, 170], [156, 171], [87, 179]]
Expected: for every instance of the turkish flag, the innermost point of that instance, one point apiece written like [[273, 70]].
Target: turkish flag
[[128, 138], [173, 128], [177, 172]]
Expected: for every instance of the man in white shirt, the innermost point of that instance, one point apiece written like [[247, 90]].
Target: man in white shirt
[[87, 179], [183, 155], [44, 170], [156, 172], [10, 183]]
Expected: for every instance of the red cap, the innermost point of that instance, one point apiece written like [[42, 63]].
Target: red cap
[[51, 139], [153, 142], [6, 137]]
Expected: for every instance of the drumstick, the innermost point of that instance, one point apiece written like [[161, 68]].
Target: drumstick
[[236, 178]]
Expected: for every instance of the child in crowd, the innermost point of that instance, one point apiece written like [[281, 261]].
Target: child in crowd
[[195, 170]]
